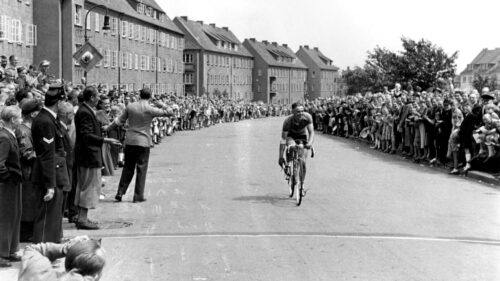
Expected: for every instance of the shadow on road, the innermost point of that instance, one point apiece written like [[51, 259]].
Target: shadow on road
[[280, 200]]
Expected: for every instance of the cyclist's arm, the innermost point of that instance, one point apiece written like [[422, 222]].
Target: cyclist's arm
[[310, 130]]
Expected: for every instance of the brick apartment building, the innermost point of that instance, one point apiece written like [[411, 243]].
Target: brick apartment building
[[322, 75], [485, 64], [215, 61], [279, 76], [18, 34], [142, 48]]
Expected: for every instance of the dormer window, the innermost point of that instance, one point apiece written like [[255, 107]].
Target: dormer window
[[140, 8]]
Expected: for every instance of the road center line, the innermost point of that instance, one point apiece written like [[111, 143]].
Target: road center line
[[310, 235]]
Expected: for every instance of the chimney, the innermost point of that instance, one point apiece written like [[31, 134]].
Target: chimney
[[252, 40], [316, 49], [265, 42], [185, 18], [306, 46], [212, 25], [275, 44], [225, 28], [285, 45], [200, 22]]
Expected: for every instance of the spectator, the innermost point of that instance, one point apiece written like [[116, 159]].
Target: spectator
[[138, 142], [30, 109], [85, 260], [88, 158], [49, 172], [10, 189]]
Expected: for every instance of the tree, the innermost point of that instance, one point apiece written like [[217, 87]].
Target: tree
[[481, 81], [420, 63]]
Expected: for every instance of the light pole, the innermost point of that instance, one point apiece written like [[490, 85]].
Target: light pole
[[104, 27]]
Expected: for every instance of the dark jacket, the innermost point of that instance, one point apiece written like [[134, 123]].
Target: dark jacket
[[50, 168], [10, 165], [89, 138]]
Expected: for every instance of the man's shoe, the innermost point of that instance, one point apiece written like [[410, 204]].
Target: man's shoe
[[118, 197], [15, 258], [5, 263], [138, 201], [86, 225]]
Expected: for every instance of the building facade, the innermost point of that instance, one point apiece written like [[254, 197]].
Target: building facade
[[215, 61], [18, 33], [322, 75], [279, 76], [142, 48], [485, 64]]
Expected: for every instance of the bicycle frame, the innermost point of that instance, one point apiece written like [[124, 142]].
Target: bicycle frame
[[297, 157]]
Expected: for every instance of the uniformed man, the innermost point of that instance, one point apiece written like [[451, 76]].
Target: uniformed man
[[50, 174]]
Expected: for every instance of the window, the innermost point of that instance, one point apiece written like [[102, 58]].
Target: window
[[16, 32], [148, 35], [114, 59], [144, 31], [172, 42], [89, 19], [78, 15], [140, 8], [153, 64], [158, 68], [114, 26], [143, 62], [167, 40], [152, 36], [130, 61], [131, 30], [187, 58], [137, 32], [124, 29], [148, 63], [31, 35], [124, 60], [107, 58], [181, 44], [188, 78], [97, 27], [136, 62]]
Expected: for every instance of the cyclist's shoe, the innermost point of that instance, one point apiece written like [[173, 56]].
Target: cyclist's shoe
[[304, 191], [291, 189]]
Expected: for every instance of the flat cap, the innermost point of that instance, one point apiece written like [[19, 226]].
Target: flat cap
[[29, 105]]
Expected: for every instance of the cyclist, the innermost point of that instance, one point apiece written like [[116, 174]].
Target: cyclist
[[297, 127]]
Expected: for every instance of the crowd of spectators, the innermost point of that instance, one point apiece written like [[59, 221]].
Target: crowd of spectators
[[441, 126], [52, 151]]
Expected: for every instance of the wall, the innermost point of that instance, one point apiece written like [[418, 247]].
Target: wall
[[18, 11]]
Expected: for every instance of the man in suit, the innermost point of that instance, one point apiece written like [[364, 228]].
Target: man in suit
[[10, 186], [65, 115], [50, 174], [88, 157], [138, 142]]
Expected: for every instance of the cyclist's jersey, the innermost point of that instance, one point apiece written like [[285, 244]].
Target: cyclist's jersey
[[297, 129]]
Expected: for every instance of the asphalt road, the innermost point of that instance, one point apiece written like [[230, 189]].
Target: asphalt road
[[218, 209]]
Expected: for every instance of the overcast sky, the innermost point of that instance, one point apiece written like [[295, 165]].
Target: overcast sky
[[345, 30]]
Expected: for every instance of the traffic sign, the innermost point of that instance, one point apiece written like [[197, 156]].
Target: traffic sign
[[87, 56]]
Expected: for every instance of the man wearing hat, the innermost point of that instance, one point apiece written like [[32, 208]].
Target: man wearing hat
[[43, 76], [30, 109], [486, 96], [50, 174]]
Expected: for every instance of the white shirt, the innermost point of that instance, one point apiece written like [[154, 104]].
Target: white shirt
[[51, 112]]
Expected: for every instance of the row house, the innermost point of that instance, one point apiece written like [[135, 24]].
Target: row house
[[485, 64], [142, 48], [279, 76], [18, 33], [322, 76], [216, 63]]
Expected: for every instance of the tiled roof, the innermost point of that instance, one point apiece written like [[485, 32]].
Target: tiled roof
[[150, 3], [319, 58], [266, 51], [202, 34], [123, 6], [487, 56]]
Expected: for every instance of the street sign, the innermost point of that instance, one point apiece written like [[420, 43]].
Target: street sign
[[87, 56]]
